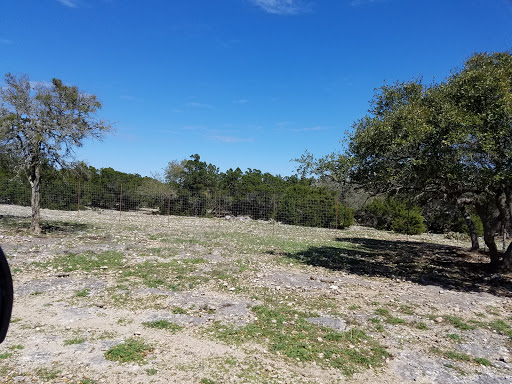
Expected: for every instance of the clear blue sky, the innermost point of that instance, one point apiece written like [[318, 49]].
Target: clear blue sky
[[243, 83]]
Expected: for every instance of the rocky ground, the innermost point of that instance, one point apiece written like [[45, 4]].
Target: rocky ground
[[138, 298]]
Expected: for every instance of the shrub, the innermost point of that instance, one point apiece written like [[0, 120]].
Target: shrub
[[409, 222], [392, 214], [313, 207]]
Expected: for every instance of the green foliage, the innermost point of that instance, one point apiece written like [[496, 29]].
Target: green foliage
[[450, 141], [479, 226], [194, 188], [391, 214], [40, 125], [312, 206], [131, 350]]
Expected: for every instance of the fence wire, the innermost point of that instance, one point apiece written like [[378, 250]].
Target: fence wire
[[312, 209]]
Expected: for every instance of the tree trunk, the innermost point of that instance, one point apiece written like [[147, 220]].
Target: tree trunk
[[35, 184], [494, 254], [492, 215], [471, 227], [507, 259]]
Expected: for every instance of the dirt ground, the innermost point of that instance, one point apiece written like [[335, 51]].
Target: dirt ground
[[432, 306]]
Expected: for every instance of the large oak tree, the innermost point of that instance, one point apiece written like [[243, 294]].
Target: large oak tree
[[451, 140], [41, 123]]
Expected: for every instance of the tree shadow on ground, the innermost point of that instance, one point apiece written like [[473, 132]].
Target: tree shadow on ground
[[423, 263], [47, 227]]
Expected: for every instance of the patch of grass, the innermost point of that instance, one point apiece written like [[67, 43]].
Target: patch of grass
[[458, 323], [47, 374], [388, 317], [493, 310], [179, 311], [76, 340], [131, 350], [420, 325], [36, 293], [89, 262], [87, 381], [82, 293], [395, 320], [454, 337], [407, 309], [14, 347], [289, 334], [501, 327], [459, 370], [354, 307], [174, 275], [204, 380], [151, 371], [382, 312], [124, 321], [163, 324], [483, 361], [452, 355], [6, 355]]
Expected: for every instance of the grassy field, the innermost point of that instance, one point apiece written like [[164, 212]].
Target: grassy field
[[149, 299]]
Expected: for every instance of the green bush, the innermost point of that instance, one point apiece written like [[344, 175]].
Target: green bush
[[345, 216], [409, 222], [392, 214], [313, 207]]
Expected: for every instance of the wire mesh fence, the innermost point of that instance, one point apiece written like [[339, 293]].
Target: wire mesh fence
[[318, 209]]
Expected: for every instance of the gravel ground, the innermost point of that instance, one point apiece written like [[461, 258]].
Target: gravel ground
[[439, 320]]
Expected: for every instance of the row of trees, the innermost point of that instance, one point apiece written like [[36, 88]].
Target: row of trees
[[447, 145], [197, 189]]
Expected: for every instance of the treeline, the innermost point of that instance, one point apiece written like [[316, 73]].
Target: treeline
[[195, 188], [189, 187]]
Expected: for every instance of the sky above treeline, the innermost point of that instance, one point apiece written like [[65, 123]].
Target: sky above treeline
[[242, 83]]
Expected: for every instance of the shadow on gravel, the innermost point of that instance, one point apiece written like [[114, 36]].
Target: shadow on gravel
[[47, 227], [424, 263]]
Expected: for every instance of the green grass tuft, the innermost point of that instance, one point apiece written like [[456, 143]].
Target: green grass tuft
[[163, 324], [131, 350]]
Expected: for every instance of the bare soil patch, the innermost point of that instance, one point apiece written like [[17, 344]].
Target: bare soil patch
[[241, 301]]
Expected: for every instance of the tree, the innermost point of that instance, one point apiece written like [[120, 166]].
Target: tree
[[41, 124], [173, 173], [450, 141], [197, 176]]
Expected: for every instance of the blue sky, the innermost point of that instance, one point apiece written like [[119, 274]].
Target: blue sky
[[243, 83]]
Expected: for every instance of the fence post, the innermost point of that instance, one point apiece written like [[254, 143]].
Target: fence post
[[274, 218], [169, 209], [337, 203], [121, 203], [78, 205]]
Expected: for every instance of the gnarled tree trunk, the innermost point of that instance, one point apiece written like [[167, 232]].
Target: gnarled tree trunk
[[471, 227], [35, 184]]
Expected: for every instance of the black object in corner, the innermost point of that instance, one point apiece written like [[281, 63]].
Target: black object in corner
[[6, 296]]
